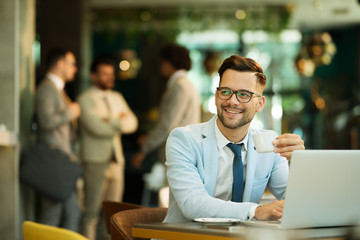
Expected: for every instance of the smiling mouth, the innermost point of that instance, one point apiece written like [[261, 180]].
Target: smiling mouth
[[233, 111]]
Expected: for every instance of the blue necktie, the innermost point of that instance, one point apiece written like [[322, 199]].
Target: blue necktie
[[238, 173]]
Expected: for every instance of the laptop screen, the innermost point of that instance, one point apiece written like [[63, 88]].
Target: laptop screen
[[323, 189]]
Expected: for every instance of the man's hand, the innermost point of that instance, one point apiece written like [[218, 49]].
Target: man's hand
[[137, 159], [75, 109], [122, 115], [286, 143], [270, 211]]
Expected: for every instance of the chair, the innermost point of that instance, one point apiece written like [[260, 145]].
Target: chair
[[38, 231], [122, 222], [112, 207], [353, 129]]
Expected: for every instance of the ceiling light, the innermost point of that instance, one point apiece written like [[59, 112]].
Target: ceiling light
[[318, 5], [240, 14], [124, 65]]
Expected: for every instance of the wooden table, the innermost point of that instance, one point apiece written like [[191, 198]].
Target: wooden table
[[193, 230]]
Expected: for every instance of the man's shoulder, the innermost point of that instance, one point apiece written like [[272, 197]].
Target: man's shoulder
[[185, 91], [46, 87], [192, 130], [190, 137], [45, 83], [193, 127], [86, 92], [184, 82], [116, 94]]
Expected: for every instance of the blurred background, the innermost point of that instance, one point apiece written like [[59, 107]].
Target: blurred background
[[309, 50]]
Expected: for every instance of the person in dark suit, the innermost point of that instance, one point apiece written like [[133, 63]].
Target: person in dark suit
[[55, 113]]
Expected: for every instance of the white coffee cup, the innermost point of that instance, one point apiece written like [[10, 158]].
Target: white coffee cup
[[263, 141]]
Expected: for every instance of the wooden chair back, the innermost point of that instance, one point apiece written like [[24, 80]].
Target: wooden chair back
[[112, 207], [122, 222]]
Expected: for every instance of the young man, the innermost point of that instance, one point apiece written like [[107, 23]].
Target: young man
[[199, 158], [105, 116], [55, 114]]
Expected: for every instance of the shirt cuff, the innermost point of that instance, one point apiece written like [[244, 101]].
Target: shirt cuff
[[251, 214]]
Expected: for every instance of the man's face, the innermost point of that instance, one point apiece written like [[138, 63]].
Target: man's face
[[104, 77], [232, 113], [69, 67]]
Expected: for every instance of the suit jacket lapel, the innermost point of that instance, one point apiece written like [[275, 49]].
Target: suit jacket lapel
[[61, 96], [101, 108], [61, 93], [251, 162], [210, 149]]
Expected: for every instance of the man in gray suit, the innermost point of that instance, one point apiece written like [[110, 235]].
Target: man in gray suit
[[180, 104], [55, 113], [105, 115]]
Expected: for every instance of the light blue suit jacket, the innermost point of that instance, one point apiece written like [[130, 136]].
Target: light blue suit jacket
[[192, 165]]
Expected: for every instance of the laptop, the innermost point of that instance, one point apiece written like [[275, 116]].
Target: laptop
[[323, 190]]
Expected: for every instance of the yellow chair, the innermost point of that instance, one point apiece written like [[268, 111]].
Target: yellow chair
[[38, 231]]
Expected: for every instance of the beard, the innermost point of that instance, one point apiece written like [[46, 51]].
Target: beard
[[235, 123]]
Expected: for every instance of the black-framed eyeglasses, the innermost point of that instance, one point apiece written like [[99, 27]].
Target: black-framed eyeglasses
[[243, 96]]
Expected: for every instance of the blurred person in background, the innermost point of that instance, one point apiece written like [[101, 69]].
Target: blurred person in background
[[180, 103], [56, 115], [105, 116]]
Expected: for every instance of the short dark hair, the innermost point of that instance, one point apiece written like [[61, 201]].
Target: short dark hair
[[101, 61], [53, 56], [243, 64], [177, 55]]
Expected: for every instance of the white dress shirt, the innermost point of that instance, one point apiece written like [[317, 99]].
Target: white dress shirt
[[59, 83]]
